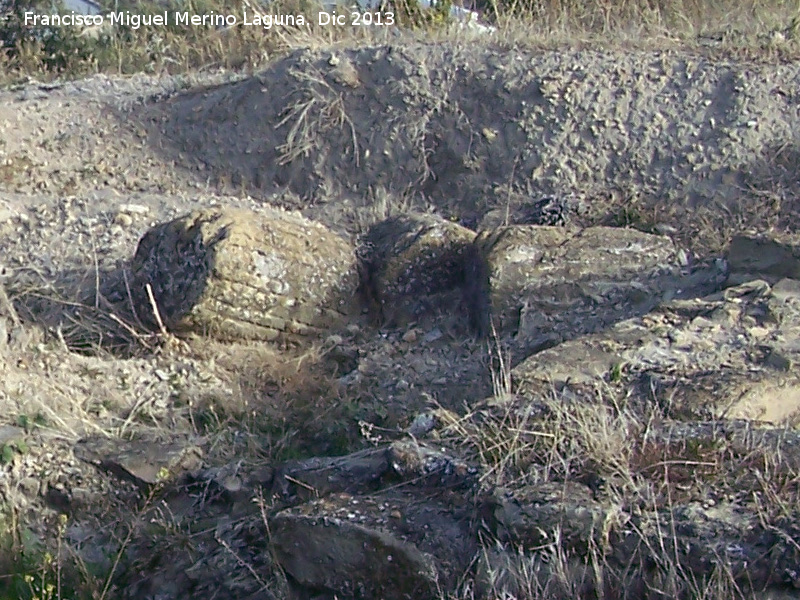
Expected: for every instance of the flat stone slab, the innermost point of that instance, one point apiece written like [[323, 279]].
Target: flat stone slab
[[730, 355], [766, 257], [395, 546], [145, 462]]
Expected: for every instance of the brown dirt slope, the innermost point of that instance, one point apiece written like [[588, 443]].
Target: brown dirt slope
[[473, 128]]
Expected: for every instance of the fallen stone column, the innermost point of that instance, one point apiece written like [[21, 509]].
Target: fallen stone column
[[236, 274]]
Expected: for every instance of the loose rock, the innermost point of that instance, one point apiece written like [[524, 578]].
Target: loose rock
[[542, 282], [407, 261], [359, 548], [143, 461], [236, 274], [763, 257]]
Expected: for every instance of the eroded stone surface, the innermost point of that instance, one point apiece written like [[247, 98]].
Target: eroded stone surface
[[239, 274], [547, 284], [727, 355], [409, 259]]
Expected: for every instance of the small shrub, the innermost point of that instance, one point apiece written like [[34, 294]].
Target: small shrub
[[52, 50], [409, 13]]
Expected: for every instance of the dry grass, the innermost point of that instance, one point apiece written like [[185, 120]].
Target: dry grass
[[321, 110], [643, 479], [71, 52], [697, 22], [285, 402], [759, 30]]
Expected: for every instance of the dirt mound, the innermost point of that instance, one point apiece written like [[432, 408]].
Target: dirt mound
[[474, 128], [489, 135]]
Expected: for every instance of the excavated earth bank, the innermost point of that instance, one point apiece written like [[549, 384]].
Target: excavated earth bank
[[423, 321]]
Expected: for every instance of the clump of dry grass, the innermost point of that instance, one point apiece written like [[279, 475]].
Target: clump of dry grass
[[768, 30], [696, 20], [285, 403], [44, 53], [75, 309], [522, 442]]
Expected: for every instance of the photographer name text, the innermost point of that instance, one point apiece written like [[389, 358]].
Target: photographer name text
[[266, 21]]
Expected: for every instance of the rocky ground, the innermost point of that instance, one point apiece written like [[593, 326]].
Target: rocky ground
[[444, 320]]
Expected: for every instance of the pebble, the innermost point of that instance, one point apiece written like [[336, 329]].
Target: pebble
[[759, 332], [232, 484], [665, 229], [683, 258], [433, 335], [10, 433], [779, 361], [123, 219], [422, 425], [333, 341], [410, 336], [134, 209], [30, 486]]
